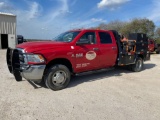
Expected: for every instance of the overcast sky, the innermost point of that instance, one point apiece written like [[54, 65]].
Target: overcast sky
[[43, 19]]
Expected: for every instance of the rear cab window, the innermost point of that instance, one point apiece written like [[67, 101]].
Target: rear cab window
[[105, 38]]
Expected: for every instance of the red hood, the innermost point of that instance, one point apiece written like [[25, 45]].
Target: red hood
[[37, 46]]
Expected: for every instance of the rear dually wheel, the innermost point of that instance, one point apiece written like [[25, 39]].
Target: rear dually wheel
[[137, 67]]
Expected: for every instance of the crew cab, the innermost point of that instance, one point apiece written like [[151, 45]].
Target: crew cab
[[76, 52]]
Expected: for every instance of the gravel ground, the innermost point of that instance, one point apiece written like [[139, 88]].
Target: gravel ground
[[114, 95]]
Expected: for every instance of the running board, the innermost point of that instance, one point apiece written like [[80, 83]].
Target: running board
[[94, 71]]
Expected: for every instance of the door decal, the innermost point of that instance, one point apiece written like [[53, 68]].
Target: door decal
[[91, 55], [82, 65]]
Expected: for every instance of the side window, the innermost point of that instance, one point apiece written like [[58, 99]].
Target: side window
[[105, 38], [90, 36]]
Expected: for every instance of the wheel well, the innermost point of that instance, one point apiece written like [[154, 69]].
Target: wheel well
[[61, 61]]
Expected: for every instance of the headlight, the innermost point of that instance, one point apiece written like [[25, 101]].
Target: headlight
[[34, 59]]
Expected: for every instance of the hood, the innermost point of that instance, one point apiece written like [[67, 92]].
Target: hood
[[38, 46]]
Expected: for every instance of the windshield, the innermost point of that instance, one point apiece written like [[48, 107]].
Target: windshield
[[66, 37]]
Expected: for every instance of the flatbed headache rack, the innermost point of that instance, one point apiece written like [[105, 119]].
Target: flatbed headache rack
[[129, 51]]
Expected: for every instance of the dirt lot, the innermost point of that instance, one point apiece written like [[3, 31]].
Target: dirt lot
[[114, 95]]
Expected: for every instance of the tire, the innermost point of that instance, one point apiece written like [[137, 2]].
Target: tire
[[17, 76], [57, 77], [137, 67]]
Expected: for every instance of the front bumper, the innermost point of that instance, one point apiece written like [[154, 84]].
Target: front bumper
[[34, 72], [19, 69]]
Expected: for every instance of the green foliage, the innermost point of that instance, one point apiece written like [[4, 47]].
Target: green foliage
[[142, 26], [134, 26], [113, 25], [158, 40], [157, 33]]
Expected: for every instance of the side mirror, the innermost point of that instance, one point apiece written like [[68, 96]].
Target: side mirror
[[90, 38], [83, 41]]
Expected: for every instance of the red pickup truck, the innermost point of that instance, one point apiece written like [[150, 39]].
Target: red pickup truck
[[76, 52], [153, 46]]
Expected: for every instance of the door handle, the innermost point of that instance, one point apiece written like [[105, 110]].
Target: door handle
[[95, 49], [114, 48]]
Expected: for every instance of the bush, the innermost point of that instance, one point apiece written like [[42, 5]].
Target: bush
[[158, 41]]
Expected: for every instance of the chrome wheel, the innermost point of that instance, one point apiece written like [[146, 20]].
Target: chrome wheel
[[137, 67], [139, 64], [59, 78]]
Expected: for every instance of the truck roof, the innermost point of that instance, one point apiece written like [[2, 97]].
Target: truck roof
[[89, 30]]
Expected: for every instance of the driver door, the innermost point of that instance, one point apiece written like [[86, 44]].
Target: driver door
[[87, 54]]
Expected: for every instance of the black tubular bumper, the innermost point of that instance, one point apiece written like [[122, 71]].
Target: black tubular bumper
[[16, 65], [13, 63]]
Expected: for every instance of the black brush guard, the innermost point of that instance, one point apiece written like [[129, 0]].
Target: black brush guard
[[13, 62]]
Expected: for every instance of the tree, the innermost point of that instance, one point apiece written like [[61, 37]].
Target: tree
[[140, 26], [113, 25], [157, 32], [102, 26], [134, 26], [157, 35]]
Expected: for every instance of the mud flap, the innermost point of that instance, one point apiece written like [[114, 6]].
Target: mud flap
[[147, 56]]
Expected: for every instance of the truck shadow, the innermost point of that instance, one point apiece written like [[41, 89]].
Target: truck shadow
[[148, 66], [37, 85], [118, 71], [76, 80]]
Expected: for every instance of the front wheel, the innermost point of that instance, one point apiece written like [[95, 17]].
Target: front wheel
[[57, 77], [137, 67]]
